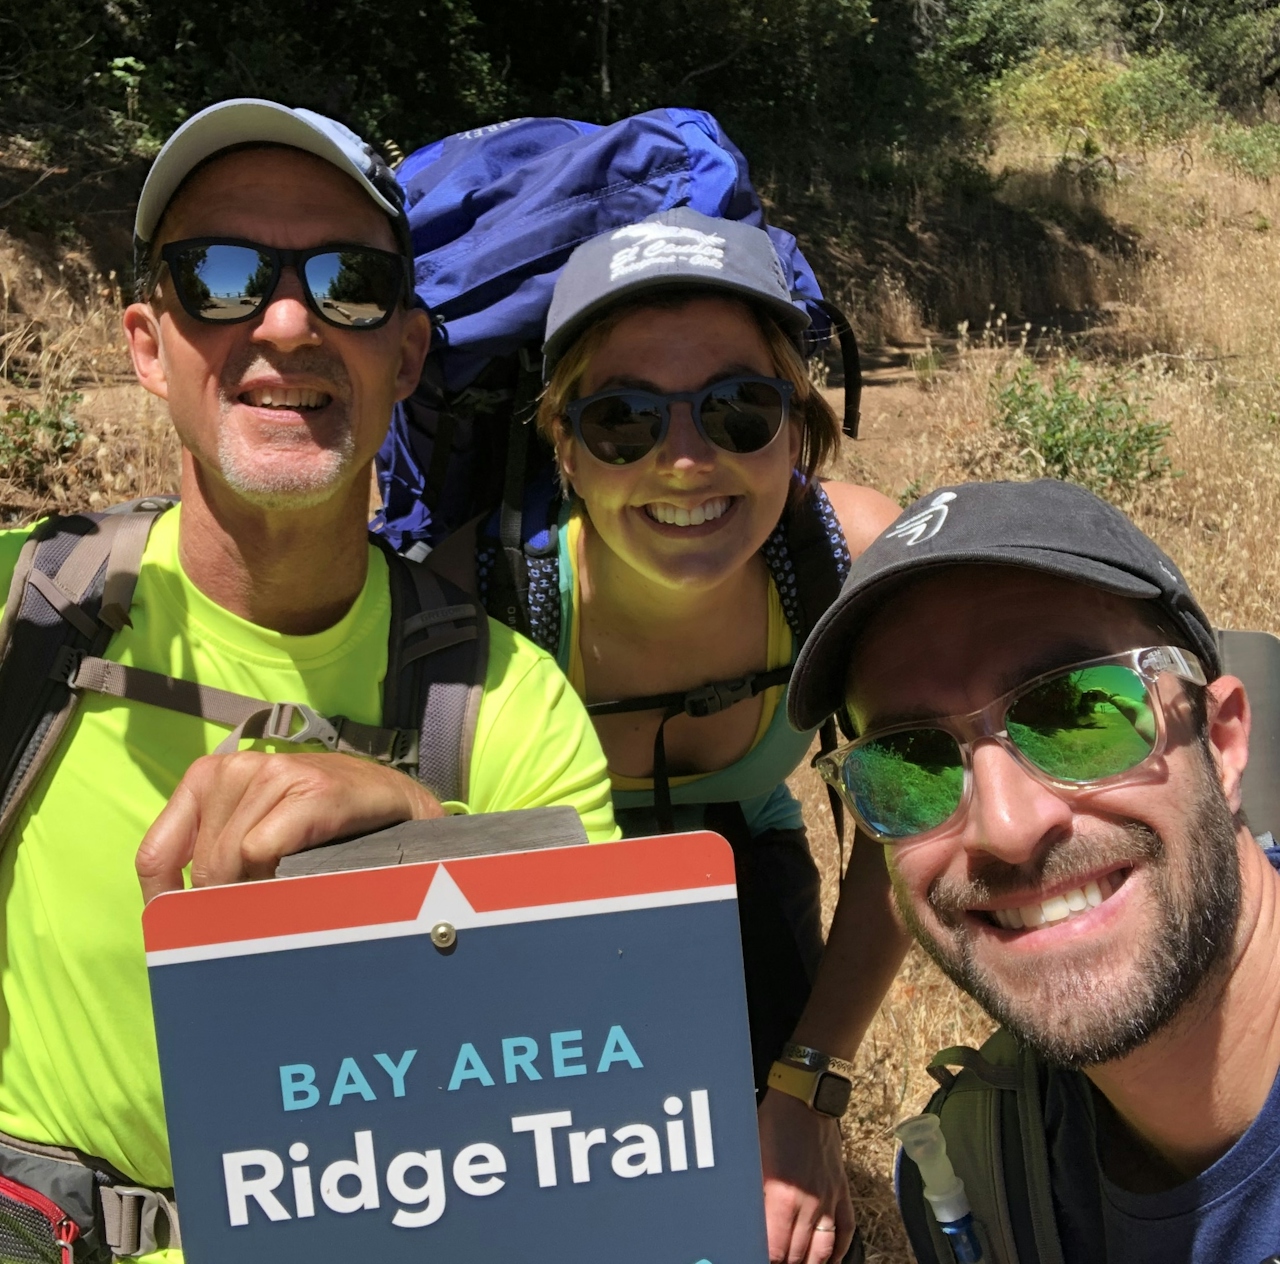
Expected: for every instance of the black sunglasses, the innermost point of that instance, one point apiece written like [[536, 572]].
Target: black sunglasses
[[224, 280], [738, 414]]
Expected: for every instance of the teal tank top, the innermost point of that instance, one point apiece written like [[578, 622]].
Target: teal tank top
[[756, 782]]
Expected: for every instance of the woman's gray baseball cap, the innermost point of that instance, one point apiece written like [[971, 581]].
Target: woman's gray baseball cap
[[1048, 526], [680, 247], [249, 121]]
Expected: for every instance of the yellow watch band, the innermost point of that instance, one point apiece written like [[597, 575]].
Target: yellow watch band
[[794, 1081], [826, 1092]]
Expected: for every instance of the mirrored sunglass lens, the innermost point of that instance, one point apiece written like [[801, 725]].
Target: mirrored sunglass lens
[[1085, 725], [905, 783], [620, 429], [353, 288], [742, 416], [221, 283]]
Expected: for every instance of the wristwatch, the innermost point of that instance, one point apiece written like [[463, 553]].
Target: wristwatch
[[822, 1082]]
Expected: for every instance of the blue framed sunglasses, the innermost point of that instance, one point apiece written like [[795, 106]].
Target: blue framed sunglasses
[[225, 280], [622, 425]]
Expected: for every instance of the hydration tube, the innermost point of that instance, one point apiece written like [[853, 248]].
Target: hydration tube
[[926, 1147]]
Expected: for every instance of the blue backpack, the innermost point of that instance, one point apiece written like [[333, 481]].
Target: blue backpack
[[494, 214]]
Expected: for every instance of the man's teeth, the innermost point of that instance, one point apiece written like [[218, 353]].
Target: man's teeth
[[676, 516], [1056, 908], [285, 397]]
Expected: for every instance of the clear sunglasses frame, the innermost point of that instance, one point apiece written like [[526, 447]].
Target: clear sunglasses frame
[[1147, 663]]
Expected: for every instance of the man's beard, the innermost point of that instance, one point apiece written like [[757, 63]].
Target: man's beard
[[1073, 1014], [263, 473]]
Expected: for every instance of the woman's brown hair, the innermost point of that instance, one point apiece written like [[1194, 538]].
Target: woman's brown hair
[[819, 426]]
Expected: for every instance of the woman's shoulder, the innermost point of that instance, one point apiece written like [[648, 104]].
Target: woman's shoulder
[[863, 512]]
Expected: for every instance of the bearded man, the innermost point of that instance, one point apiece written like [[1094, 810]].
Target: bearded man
[[1043, 741]]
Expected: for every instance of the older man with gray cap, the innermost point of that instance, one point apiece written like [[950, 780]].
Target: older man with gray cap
[[1041, 737], [276, 319]]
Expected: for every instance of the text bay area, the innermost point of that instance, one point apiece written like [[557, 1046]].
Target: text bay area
[[416, 1178]]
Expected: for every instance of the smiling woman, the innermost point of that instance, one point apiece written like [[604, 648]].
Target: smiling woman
[[689, 439]]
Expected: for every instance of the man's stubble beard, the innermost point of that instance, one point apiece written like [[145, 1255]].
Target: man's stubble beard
[[1080, 1016], [281, 483]]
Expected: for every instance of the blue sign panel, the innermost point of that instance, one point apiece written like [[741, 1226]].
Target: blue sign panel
[[561, 1072]]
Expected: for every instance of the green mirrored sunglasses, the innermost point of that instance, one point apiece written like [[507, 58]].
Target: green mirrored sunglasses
[[1077, 726]]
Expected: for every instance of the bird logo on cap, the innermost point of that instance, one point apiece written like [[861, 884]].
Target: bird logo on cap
[[925, 524]]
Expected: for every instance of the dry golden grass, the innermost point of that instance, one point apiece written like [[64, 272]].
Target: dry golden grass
[[1197, 324], [62, 350]]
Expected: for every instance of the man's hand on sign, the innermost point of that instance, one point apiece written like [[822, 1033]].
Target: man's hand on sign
[[804, 1183], [233, 817]]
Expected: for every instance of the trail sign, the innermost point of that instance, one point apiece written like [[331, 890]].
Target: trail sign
[[541, 1056]]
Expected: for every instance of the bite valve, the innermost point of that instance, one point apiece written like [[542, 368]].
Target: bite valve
[[926, 1147]]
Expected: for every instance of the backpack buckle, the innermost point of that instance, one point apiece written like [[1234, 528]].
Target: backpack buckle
[[714, 698], [404, 750], [129, 1218], [315, 727], [66, 666]]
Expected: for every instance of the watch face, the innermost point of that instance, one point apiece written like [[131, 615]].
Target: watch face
[[832, 1095]]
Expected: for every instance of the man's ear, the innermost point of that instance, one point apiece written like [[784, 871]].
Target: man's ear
[[1229, 721], [142, 330], [415, 342]]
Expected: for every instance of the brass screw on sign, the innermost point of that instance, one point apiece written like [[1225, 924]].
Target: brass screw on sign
[[444, 935]]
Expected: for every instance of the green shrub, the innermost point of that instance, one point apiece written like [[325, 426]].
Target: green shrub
[[1054, 94], [1155, 101], [1099, 437], [32, 439], [1252, 152], [1080, 99]]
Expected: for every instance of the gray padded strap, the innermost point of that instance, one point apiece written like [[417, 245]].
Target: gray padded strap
[[129, 542], [63, 602], [77, 573], [429, 618], [443, 765], [129, 1219], [438, 639]]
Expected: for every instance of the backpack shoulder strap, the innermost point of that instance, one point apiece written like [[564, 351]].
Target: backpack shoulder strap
[[808, 559], [436, 663], [70, 593], [993, 1120]]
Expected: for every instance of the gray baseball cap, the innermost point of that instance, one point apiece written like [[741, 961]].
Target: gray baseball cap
[[250, 120], [680, 247], [1047, 526]]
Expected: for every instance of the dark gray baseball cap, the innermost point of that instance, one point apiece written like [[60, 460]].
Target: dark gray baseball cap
[[1048, 526], [680, 247]]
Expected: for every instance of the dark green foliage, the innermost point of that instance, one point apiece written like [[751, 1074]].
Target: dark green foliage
[[794, 79], [32, 439], [1102, 438]]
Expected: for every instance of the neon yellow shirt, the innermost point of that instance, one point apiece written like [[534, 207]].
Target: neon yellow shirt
[[78, 1063]]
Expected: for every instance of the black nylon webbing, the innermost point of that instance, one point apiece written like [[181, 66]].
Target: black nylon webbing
[[700, 702]]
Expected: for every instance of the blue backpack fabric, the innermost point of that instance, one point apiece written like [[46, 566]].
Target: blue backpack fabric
[[494, 214]]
